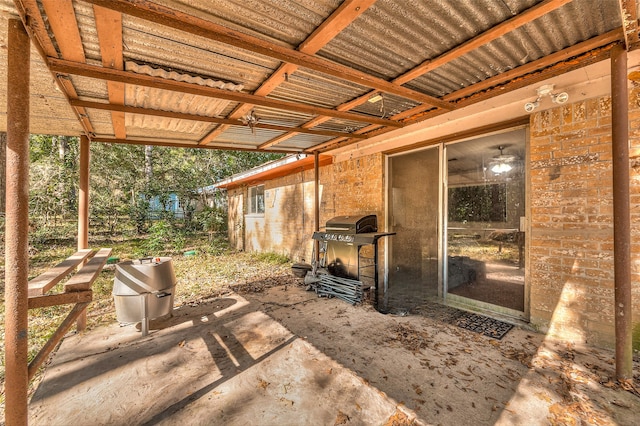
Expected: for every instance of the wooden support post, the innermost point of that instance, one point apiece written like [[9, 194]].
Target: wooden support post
[[621, 212], [17, 225], [83, 212]]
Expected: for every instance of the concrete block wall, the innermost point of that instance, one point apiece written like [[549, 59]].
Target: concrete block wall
[[571, 216], [346, 188]]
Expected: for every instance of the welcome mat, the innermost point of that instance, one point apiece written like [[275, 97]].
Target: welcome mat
[[484, 325]]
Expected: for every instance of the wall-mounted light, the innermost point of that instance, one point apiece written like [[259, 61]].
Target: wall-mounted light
[[546, 90]]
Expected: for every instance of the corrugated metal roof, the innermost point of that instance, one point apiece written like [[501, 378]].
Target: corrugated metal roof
[[50, 111], [540, 38], [318, 89], [280, 118], [393, 37], [288, 22], [384, 41]]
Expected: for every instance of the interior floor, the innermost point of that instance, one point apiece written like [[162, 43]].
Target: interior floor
[[498, 284], [501, 285]]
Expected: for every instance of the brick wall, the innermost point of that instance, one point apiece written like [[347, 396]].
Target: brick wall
[[353, 187], [346, 188], [571, 239]]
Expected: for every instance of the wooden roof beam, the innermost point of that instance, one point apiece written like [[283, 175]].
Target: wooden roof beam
[[109, 28], [319, 120], [187, 145], [488, 36], [344, 15], [107, 74], [203, 118], [37, 29], [153, 12], [576, 56]]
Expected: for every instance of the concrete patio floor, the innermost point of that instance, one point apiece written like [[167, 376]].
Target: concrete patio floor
[[287, 357]]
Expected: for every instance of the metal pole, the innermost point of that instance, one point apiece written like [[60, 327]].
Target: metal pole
[[83, 212], [17, 225], [621, 212], [316, 206]]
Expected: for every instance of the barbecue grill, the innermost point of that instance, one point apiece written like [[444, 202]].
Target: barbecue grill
[[341, 244]]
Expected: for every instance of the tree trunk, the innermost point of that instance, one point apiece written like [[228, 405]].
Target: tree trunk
[[148, 163], [63, 149], [3, 160]]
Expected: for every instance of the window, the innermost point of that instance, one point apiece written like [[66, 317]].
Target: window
[[256, 199]]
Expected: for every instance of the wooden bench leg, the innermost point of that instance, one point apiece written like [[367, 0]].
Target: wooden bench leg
[[55, 339], [81, 322]]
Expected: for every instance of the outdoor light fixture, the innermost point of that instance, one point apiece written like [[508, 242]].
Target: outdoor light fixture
[[546, 90], [501, 162], [375, 98]]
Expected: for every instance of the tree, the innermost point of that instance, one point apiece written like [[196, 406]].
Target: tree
[[53, 178], [124, 179]]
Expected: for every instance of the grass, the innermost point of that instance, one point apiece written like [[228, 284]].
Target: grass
[[214, 270]]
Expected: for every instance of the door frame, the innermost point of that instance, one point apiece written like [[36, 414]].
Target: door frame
[[443, 295]]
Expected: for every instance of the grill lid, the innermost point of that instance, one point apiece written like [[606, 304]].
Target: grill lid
[[353, 224]]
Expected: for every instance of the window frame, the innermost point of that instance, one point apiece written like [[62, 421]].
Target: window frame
[[256, 200]]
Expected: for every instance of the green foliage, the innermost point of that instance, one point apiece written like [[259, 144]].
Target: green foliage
[[217, 246], [160, 235], [272, 258], [126, 178], [126, 181], [211, 219], [53, 185], [42, 235]]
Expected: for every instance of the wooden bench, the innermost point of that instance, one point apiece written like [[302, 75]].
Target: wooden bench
[[80, 282], [77, 290], [46, 281]]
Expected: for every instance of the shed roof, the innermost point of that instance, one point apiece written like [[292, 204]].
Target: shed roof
[[271, 170], [291, 75]]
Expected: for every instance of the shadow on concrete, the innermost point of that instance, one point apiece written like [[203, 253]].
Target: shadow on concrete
[[223, 361]]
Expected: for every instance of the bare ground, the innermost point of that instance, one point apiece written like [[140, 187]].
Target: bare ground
[[432, 372]]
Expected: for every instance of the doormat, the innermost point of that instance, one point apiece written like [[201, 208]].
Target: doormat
[[484, 325]]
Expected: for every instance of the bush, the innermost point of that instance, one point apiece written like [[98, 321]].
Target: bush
[[163, 237], [211, 220]]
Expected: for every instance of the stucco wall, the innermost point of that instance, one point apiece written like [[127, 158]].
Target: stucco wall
[[571, 240], [235, 198]]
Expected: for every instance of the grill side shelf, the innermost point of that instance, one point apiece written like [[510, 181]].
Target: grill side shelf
[[358, 239]]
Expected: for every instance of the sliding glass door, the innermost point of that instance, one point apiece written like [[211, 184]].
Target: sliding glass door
[[414, 181], [485, 207]]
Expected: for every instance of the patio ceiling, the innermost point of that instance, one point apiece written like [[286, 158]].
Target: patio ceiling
[[291, 76]]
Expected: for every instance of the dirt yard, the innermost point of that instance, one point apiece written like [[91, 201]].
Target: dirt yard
[[284, 356]]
